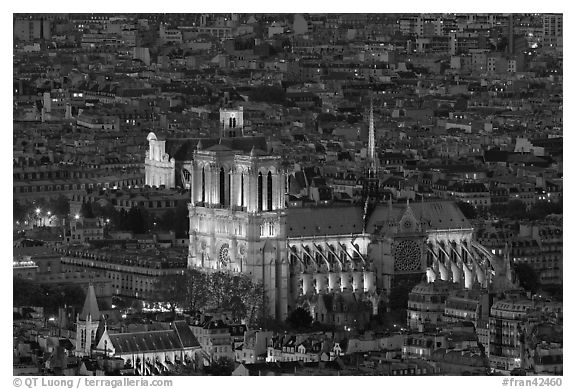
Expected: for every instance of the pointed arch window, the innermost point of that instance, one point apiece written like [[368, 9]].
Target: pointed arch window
[[260, 191], [242, 189], [269, 191], [222, 187], [203, 185]]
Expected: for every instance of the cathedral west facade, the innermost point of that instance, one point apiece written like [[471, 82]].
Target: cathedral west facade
[[240, 222]]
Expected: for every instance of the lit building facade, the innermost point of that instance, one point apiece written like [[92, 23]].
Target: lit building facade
[[426, 303], [506, 318], [240, 222], [159, 167]]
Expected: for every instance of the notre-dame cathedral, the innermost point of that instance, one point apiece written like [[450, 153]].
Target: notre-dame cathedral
[[240, 222]]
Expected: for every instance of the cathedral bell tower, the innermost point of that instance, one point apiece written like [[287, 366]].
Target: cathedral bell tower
[[238, 218], [231, 122]]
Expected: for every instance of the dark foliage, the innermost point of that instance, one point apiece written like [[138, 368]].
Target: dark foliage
[[299, 319], [527, 277], [221, 367], [51, 297], [467, 209]]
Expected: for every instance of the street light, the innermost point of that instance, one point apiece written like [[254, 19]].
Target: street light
[[76, 216], [38, 211]]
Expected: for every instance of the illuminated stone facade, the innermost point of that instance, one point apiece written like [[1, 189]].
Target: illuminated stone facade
[[239, 222], [238, 218], [160, 169]]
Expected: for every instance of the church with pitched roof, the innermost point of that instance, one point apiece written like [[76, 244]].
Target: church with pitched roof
[[147, 352]]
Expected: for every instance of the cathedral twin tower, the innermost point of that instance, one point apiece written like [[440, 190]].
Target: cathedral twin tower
[[237, 210]]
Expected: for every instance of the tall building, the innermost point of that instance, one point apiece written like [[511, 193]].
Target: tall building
[[552, 31], [159, 167], [506, 317], [28, 29], [237, 216]]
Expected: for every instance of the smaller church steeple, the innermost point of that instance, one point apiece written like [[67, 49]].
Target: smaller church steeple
[[87, 324], [90, 309]]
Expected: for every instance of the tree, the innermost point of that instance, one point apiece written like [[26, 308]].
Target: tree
[[527, 277], [196, 291], [269, 94], [399, 296], [120, 220], [467, 209], [60, 206], [166, 221], [86, 211], [171, 290], [221, 367], [50, 297], [137, 220], [515, 209], [24, 292], [238, 294], [197, 294], [299, 318], [541, 209], [72, 295], [181, 220], [18, 211], [255, 304]]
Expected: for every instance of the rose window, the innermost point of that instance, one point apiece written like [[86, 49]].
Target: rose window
[[407, 256], [224, 254]]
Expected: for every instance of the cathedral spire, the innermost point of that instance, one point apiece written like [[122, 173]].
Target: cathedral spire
[[371, 137]]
